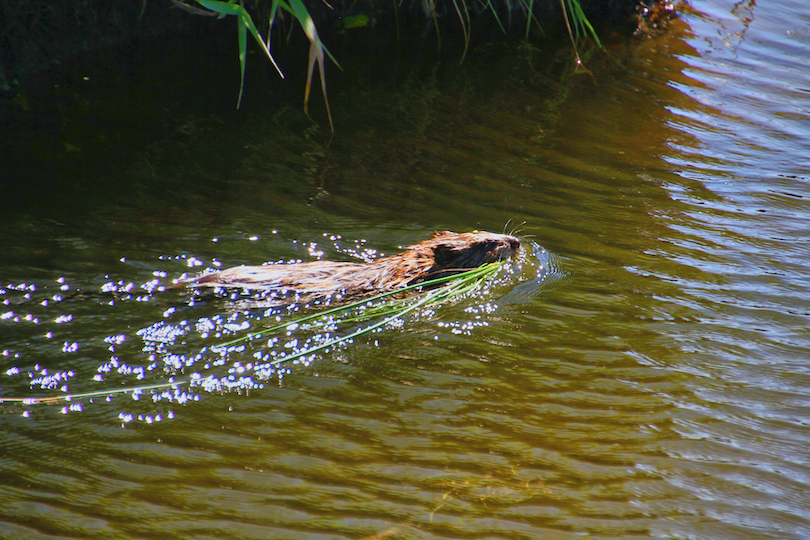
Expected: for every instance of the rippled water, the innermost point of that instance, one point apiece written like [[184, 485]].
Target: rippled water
[[644, 376]]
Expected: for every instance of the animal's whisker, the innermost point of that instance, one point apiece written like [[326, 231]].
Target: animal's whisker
[[505, 225], [517, 228]]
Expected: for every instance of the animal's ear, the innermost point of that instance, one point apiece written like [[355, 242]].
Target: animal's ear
[[439, 234]]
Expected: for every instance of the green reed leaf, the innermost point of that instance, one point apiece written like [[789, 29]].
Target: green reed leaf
[[316, 55], [244, 24]]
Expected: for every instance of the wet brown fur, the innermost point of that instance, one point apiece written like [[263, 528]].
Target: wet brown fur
[[445, 254]]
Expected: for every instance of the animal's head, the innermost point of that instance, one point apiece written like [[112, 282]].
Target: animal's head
[[472, 249]]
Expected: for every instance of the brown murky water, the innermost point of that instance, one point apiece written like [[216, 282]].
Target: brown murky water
[[642, 374]]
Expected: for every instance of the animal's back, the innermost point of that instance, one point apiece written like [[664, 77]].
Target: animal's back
[[445, 254]]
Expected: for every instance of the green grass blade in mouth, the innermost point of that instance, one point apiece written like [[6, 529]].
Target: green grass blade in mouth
[[462, 278]]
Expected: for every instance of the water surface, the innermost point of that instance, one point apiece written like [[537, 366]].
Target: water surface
[[640, 373]]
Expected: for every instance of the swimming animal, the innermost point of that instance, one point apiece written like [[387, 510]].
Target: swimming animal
[[445, 254]]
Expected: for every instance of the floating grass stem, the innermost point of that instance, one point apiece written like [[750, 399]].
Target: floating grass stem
[[462, 284], [373, 313]]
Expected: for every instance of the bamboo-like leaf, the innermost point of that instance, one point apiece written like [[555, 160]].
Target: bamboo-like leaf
[[581, 22], [466, 27], [495, 12], [432, 4], [316, 54], [529, 18], [273, 9], [242, 31], [244, 16], [244, 23]]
